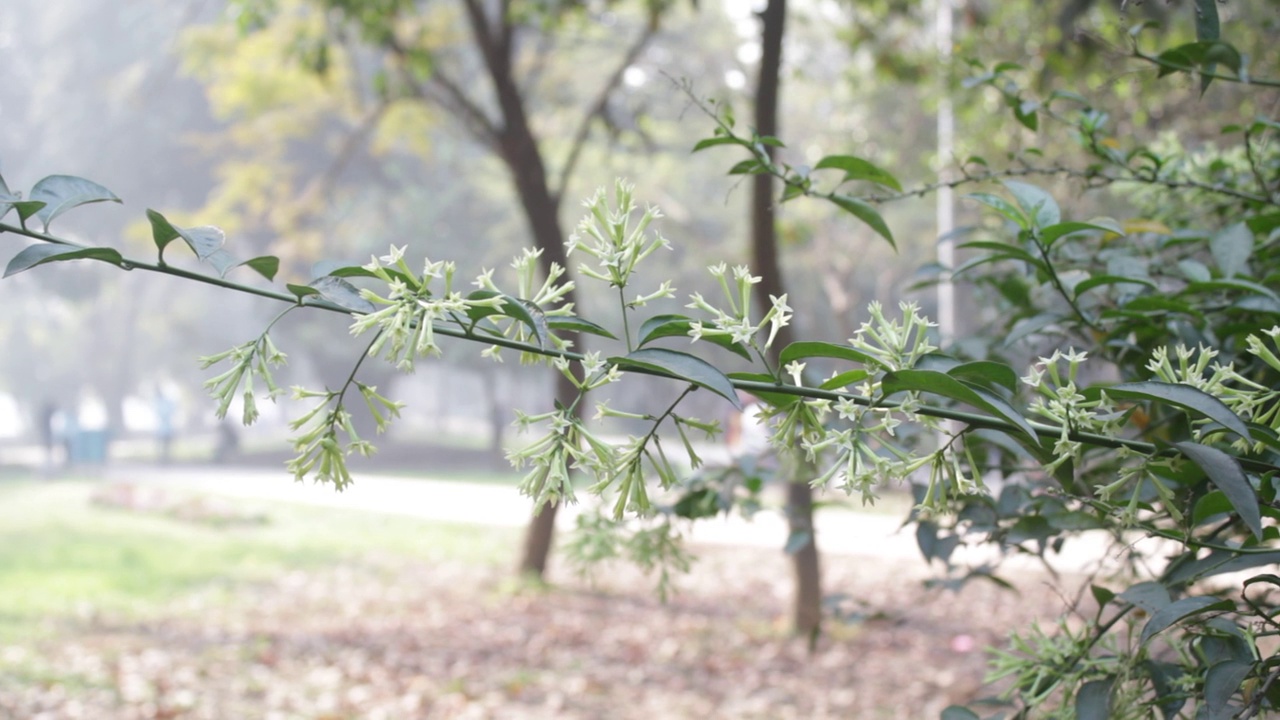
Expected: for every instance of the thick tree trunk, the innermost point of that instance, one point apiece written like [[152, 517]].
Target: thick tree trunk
[[807, 611]]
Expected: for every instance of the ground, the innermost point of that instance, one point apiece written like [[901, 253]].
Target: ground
[[418, 619]]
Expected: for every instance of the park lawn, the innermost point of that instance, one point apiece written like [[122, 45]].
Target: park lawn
[[63, 556]]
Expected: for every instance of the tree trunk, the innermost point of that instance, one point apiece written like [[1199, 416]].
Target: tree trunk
[[807, 611], [520, 152]]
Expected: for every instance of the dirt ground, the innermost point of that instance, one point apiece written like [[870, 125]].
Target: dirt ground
[[386, 639]]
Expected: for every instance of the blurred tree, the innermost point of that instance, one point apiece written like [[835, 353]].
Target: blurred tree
[[383, 70]]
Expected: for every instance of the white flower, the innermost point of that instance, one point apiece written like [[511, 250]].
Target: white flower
[[394, 255], [794, 369]]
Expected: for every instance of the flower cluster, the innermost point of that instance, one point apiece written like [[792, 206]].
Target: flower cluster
[[406, 321], [1059, 400], [567, 444], [317, 445], [606, 234], [736, 323], [249, 360], [538, 299]]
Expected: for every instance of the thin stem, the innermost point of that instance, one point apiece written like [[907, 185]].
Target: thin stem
[[1057, 283], [626, 324]]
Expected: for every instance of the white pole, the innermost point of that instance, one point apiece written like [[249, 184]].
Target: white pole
[[946, 202]]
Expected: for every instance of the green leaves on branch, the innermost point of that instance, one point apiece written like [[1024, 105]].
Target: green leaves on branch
[[34, 255], [682, 366], [797, 181], [61, 193], [206, 242]]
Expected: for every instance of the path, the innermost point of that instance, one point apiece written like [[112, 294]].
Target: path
[[840, 531]]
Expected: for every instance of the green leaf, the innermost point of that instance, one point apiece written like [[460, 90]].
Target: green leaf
[[713, 141], [956, 712], [672, 363], [1093, 701], [1053, 233], [866, 214], [1181, 610], [1185, 397], [807, 349], [341, 293], [1150, 596], [266, 265], [34, 255], [986, 373], [1224, 471], [748, 167], [1207, 20], [1038, 205], [222, 261], [797, 541], [1101, 595], [1210, 506], [1098, 281], [1002, 206], [61, 193], [663, 326], [1221, 683], [1231, 284], [301, 291], [163, 232], [936, 383], [519, 310], [845, 379], [578, 325], [1231, 249], [858, 169], [772, 399]]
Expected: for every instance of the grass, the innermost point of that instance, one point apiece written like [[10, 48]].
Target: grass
[[62, 556]]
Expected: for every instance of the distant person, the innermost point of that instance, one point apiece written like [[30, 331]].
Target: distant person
[[164, 409], [228, 444], [48, 432], [747, 435]]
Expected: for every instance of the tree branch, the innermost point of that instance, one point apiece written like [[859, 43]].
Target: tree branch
[[596, 108]]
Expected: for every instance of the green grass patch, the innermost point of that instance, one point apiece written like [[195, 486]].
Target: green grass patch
[[61, 555]]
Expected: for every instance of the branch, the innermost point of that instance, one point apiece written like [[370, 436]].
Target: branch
[[1196, 70], [450, 96], [596, 108]]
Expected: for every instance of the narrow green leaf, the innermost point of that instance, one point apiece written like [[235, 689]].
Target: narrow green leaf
[[34, 255], [1053, 233], [1005, 251], [1221, 683], [680, 365], [845, 379], [936, 383], [748, 167], [956, 712], [266, 265], [713, 141], [866, 214], [856, 168], [1185, 397], [61, 193], [1093, 701], [665, 326], [1038, 205], [1002, 206], [341, 293], [1235, 284], [1098, 281], [578, 325], [986, 373], [1207, 20], [1179, 610], [807, 349], [1224, 472]]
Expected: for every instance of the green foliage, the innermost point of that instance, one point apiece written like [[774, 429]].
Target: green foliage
[[1153, 412]]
